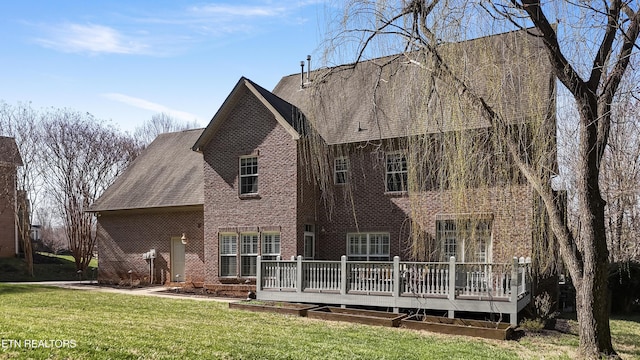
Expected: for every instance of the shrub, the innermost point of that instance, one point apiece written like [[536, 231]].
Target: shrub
[[532, 325]]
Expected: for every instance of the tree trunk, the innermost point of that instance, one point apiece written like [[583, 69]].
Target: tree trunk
[[592, 309], [592, 303]]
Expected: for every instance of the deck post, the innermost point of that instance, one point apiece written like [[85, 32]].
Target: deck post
[[513, 316], [452, 283], [343, 275], [299, 286], [278, 275], [258, 273], [396, 280], [522, 270]]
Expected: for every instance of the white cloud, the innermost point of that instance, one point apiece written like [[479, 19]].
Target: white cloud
[[239, 10], [167, 32], [94, 39], [148, 105]]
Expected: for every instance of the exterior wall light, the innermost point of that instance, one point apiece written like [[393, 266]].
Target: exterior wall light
[[184, 239]]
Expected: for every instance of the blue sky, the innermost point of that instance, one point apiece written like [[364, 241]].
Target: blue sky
[[127, 60]]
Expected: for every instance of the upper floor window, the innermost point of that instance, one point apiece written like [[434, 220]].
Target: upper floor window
[[396, 173], [341, 169], [248, 175]]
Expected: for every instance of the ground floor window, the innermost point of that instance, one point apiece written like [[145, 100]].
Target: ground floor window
[[228, 254], [270, 245], [243, 250], [249, 254], [469, 240], [368, 246]]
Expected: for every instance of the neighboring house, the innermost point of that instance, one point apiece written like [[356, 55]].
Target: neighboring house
[[156, 201], [10, 159], [255, 191]]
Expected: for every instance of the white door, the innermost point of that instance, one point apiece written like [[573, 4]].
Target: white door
[[177, 260], [309, 242]]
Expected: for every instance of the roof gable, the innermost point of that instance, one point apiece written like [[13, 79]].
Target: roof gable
[[287, 115]]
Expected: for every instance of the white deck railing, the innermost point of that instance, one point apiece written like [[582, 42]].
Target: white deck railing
[[339, 281]]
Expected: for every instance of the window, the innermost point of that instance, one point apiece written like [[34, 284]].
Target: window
[[270, 246], [341, 169], [228, 254], [248, 175], [469, 240], [248, 254], [368, 246], [309, 242], [244, 250], [396, 173]]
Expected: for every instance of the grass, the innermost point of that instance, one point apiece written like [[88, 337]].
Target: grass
[[46, 267], [119, 326]]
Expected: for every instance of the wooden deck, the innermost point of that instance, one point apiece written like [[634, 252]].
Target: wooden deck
[[447, 286]]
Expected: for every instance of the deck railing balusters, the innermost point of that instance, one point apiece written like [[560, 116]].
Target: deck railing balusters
[[415, 278]]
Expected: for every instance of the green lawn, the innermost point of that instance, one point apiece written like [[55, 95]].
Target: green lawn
[[117, 326], [47, 267]]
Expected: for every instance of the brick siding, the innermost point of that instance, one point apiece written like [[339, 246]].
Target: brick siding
[[123, 236], [249, 129], [363, 206]]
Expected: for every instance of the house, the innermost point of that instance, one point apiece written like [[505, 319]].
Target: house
[[154, 208], [263, 197], [318, 169], [10, 159]]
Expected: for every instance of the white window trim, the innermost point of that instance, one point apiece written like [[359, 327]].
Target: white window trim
[[264, 243], [240, 251], [368, 255], [344, 171], [227, 255], [461, 253], [248, 254], [387, 172], [241, 176]]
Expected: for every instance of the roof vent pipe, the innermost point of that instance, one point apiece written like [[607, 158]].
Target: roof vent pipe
[[308, 68], [301, 74]]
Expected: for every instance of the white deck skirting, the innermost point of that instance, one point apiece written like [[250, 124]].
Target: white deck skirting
[[447, 286]]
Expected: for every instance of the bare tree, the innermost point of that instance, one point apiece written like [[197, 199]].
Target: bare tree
[[620, 179], [52, 234], [159, 124], [83, 158], [589, 52]]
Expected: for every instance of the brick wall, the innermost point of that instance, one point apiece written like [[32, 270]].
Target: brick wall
[[249, 129], [123, 236], [363, 206], [7, 211]]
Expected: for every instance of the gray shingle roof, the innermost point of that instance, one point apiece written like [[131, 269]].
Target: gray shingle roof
[[9, 153], [382, 98], [166, 174]]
